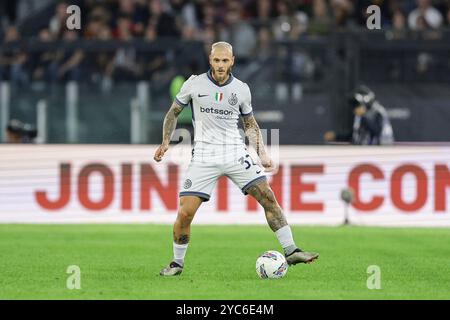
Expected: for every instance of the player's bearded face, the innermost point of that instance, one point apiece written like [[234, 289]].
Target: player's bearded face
[[221, 72], [221, 63]]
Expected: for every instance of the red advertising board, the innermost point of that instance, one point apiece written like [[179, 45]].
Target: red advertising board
[[118, 183]]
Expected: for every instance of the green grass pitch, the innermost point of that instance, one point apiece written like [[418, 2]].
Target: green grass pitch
[[123, 262]]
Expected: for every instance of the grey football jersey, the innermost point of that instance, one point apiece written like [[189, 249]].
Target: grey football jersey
[[216, 108]]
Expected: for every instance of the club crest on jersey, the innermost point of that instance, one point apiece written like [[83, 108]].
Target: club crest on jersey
[[219, 97], [187, 184], [233, 99]]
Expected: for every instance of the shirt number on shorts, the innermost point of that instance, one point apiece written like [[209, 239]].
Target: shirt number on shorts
[[243, 160]]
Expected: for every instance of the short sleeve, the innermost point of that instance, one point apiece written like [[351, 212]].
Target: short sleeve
[[246, 104], [184, 96]]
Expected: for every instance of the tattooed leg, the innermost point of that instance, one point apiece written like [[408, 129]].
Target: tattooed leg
[[182, 233], [264, 195], [182, 227], [275, 217]]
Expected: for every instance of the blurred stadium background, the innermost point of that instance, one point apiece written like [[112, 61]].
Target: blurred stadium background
[[93, 100], [87, 108], [302, 58], [110, 83]]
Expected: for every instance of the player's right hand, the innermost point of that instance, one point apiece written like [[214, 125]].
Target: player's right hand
[[268, 164], [159, 153]]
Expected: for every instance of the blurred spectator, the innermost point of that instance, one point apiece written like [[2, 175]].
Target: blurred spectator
[[208, 37], [244, 23], [136, 11], [163, 22], [238, 32], [321, 22], [150, 33], [126, 7], [98, 18], [399, 27], [124, 65], [14, 131], [13, 62], [68, 61], [371, 124], [289, 24], [100, 62], [43, 61], [264, 48], [303, 6], [448, 15], [209, 15], [57, 23], [424, 16], [342, 10], [19, 132], [188, 34], [398, 21], [124, 28], [93, 29], [187, 14], [8, 13], [100, 14], [153, 62], [263, 11]]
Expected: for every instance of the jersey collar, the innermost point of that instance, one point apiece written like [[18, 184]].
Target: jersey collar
[[210, 77]]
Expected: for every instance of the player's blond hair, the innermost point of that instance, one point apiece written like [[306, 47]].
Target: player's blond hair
[[222, 45]]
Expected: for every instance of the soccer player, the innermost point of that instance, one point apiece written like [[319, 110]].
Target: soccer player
[[218, 99]]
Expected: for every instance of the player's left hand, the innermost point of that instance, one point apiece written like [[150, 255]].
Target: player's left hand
[[159, 153]]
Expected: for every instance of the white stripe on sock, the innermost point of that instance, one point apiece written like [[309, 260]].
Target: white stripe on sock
[[179, 252], [284, 236]]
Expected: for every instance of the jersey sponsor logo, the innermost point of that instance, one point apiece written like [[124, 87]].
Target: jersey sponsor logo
[[219, 97], [202, 95], [216, 111], [233, 100]]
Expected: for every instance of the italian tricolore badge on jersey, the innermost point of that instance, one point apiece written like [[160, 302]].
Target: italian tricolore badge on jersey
[[219, 97]]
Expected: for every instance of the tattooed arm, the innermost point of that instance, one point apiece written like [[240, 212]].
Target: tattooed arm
[[170, 122], [253, 133]]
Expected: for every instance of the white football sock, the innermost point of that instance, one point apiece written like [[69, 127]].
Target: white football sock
[[179, 251], [286, 240]]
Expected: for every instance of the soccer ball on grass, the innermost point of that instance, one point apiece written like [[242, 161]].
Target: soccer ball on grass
[[271, 265]]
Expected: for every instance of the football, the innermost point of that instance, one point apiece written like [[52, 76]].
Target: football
[[271, 265]]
